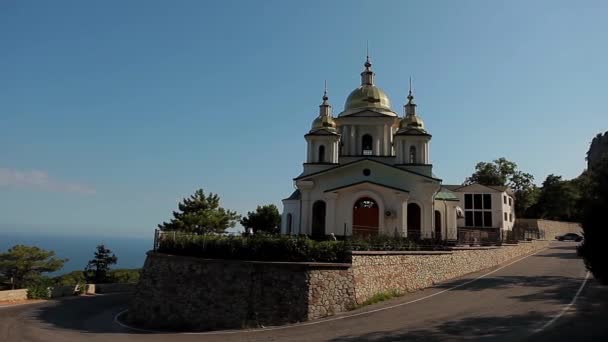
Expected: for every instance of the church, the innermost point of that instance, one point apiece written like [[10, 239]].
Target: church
[[368, 172]]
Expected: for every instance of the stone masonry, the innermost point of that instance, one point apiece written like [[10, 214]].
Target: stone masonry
[[186, 293]]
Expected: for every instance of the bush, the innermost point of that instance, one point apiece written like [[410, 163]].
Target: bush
[[40, 288], [280, 247], [258, 247], [69, 279], [124, 275]]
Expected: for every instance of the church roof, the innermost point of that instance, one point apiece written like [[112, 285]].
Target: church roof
[[294, 196], [366, 182], [362, 160], [413, 131], [367, 96], [446, 194]]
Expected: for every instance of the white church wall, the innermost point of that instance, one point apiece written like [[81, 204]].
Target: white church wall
[[448, 218], [421, 191], [290, 207]]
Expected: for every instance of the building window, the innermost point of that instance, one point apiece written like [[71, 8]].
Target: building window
[[478, 210], [289, 223], [487, 201], [504, 199], [510, 201], [412, 154], [510, 217], [366, 145], [505, 216], [321, 154]]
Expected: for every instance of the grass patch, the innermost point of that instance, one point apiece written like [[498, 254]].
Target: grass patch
[[380, 297]]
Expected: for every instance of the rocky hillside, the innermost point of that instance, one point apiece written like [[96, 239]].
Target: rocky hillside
[[598, 149]]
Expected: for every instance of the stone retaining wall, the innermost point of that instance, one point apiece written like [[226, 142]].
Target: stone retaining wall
[[13, 295], [186, 293], [377, 272], [177, 292], [548, 229]]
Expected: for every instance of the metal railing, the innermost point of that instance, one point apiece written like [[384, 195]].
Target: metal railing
[[481, 236]]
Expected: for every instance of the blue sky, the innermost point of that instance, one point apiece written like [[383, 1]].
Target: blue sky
[[112, 111]]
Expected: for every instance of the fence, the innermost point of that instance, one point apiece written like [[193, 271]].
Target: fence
[[480, 236]]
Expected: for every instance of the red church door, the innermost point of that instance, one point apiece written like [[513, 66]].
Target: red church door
[[366, 217]]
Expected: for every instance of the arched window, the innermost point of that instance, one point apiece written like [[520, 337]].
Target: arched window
[[414, 218], [437, 225], [322, 154], [366, 145], [412, 154], [289, 223], [318, 219]]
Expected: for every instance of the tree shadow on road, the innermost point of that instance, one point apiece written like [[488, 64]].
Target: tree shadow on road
[[483, 327], [94, 314], [585, 321]]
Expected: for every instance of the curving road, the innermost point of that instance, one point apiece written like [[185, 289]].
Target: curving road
[[529, 299]]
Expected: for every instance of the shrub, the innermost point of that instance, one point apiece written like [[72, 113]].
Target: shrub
[[124, 275], [257, 247], [380, 297], [263, 247], [40, 288]]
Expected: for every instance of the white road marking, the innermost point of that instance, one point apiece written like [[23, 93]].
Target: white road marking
[[222, 332], [566, 308]]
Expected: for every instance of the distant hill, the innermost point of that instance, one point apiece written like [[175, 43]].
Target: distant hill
[[598, 149]]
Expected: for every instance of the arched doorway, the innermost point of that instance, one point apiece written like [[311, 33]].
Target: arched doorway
[[414, 216], [318, 219], [366, 218], [437, 225]]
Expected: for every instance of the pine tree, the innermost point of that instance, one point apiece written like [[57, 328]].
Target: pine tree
[[201, 214], [265, 218], [97, 269]]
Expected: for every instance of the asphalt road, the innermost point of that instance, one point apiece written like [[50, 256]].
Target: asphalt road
[[515, 302]]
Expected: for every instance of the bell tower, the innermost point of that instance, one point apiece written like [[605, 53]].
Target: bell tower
[[412, 140], [323, 139]]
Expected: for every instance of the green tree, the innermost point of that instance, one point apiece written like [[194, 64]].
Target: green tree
[[558, 199], [201, 214], [97, 269], [503, 172], [595, 198], [22, 265], [265, 218]]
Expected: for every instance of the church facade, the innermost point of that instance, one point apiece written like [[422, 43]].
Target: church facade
[[368, 172]]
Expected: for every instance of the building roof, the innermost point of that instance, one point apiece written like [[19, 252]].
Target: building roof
[[446, 194], [366, 181], [361, 160], [294, 196], [499, 188]]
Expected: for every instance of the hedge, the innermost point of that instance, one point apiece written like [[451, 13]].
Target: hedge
[[275, 247]]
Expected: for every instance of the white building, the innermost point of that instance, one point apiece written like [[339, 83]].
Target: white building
[[485, 207], [368, 171]]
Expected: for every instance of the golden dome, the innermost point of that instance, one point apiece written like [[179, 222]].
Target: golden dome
[[323, 122], [367, 96], [411, 121]]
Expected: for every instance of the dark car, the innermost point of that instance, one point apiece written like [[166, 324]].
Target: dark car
[[569, 237]]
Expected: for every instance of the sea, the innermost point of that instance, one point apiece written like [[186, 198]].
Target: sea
[[79, 249]]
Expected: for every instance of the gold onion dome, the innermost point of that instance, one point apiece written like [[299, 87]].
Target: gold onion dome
[[411, 119], [324, 120], [367, 95]]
